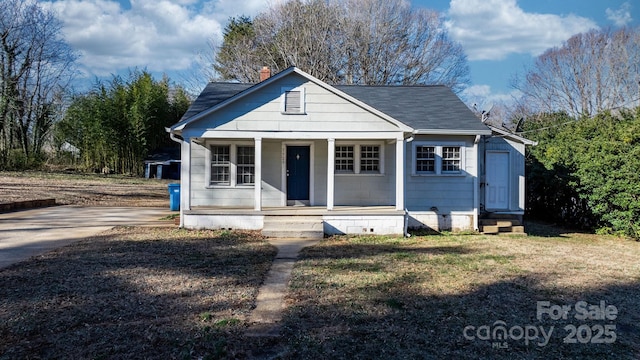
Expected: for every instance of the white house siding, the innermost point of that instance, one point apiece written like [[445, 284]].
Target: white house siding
[[261, 111], [368, 189], [242, 196], [442, 202], [516, 152]]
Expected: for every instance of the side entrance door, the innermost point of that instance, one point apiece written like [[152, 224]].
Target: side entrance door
[[298, 168], [497, 181]]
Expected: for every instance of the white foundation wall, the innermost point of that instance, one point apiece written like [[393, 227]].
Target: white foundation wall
[[364, 225], [453, 221], [228, 222], [332, 225]]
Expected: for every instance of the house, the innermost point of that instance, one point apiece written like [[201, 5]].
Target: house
[[353, 159], [164, 163]]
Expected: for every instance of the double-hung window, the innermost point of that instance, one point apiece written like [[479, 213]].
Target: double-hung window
[[370, 159], [220, 165], [359, 159], [438, 159], [246, 165], [344, 159], [231, 165]]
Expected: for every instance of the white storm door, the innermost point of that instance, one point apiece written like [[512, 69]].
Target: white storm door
[[497, 181]]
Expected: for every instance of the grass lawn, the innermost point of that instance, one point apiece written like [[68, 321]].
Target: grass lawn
[[167, 293]]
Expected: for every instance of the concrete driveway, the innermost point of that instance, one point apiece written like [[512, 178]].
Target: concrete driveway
[[28, 233]]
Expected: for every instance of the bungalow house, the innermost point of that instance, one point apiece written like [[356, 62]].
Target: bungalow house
[[292, 149]]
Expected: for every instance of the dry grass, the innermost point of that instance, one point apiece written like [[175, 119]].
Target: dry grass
[[373, 297], [83, 189], [133, 293]]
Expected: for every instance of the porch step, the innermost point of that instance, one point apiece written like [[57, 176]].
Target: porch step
[[501, 224], [288, 226]]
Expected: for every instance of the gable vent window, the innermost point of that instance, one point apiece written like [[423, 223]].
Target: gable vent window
[[293, 101]]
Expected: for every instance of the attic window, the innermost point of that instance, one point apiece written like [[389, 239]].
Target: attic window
[[293, 101]]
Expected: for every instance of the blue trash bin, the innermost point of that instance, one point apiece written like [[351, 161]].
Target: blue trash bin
[[174, 197]]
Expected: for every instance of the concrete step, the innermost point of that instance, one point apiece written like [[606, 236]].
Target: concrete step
[[500, 222], [494, 229], [306, 227]]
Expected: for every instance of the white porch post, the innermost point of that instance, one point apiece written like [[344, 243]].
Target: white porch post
[[258, 175], [185, 178], [400, 163], [331, 157]]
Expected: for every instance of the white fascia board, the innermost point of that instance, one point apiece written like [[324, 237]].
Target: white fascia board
[[402, 126], [308, 135], [180, 126], [513, 136], [451, 132]]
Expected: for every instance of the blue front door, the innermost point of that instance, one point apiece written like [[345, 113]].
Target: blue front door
[[298, 166]]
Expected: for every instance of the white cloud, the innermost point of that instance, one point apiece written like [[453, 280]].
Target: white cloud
[[159, 35], [493, 29], [483, 98], [620, 17]]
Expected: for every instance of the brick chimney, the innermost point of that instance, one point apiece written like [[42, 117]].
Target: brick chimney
[[265, 73]]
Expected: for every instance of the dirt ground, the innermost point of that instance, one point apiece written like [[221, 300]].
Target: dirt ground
[[84, 189]]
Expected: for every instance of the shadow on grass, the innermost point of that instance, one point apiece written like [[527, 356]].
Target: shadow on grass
[[388, 314], [122, 295]]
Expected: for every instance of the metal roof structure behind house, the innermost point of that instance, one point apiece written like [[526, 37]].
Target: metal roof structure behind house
[[426, 109]]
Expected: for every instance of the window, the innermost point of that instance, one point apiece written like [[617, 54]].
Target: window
[[425, 159], [292, 101], [232, 165], [220, 165], [450, 159], [370, 158], [344, 158], [438, 159], [359, 159], [246, 165]]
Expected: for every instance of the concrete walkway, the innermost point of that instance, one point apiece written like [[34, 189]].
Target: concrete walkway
[[266, 316], [28, 233]]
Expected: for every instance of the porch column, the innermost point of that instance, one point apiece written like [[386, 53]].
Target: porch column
[[331, 159], [185, 178], [258, 175], [400, 162]]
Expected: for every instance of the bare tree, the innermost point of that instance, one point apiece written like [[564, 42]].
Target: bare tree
[[35, 67], [589, 73], [373, 42]]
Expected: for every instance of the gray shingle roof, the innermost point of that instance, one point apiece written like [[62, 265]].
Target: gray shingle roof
[[433, 107], [419, 107], [213, 94]]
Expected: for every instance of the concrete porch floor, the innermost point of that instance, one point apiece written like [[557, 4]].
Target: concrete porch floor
[[296, 210]]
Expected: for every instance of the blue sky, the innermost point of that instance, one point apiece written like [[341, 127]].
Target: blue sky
[[500, 37]]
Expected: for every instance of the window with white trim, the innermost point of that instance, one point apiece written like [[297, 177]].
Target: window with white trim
[[438, 159], [231, 165], [359, 159], [425, 159], [293, 101], [344, 159], [246, 165], [451, 159], [370, 159], [220, 165]]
